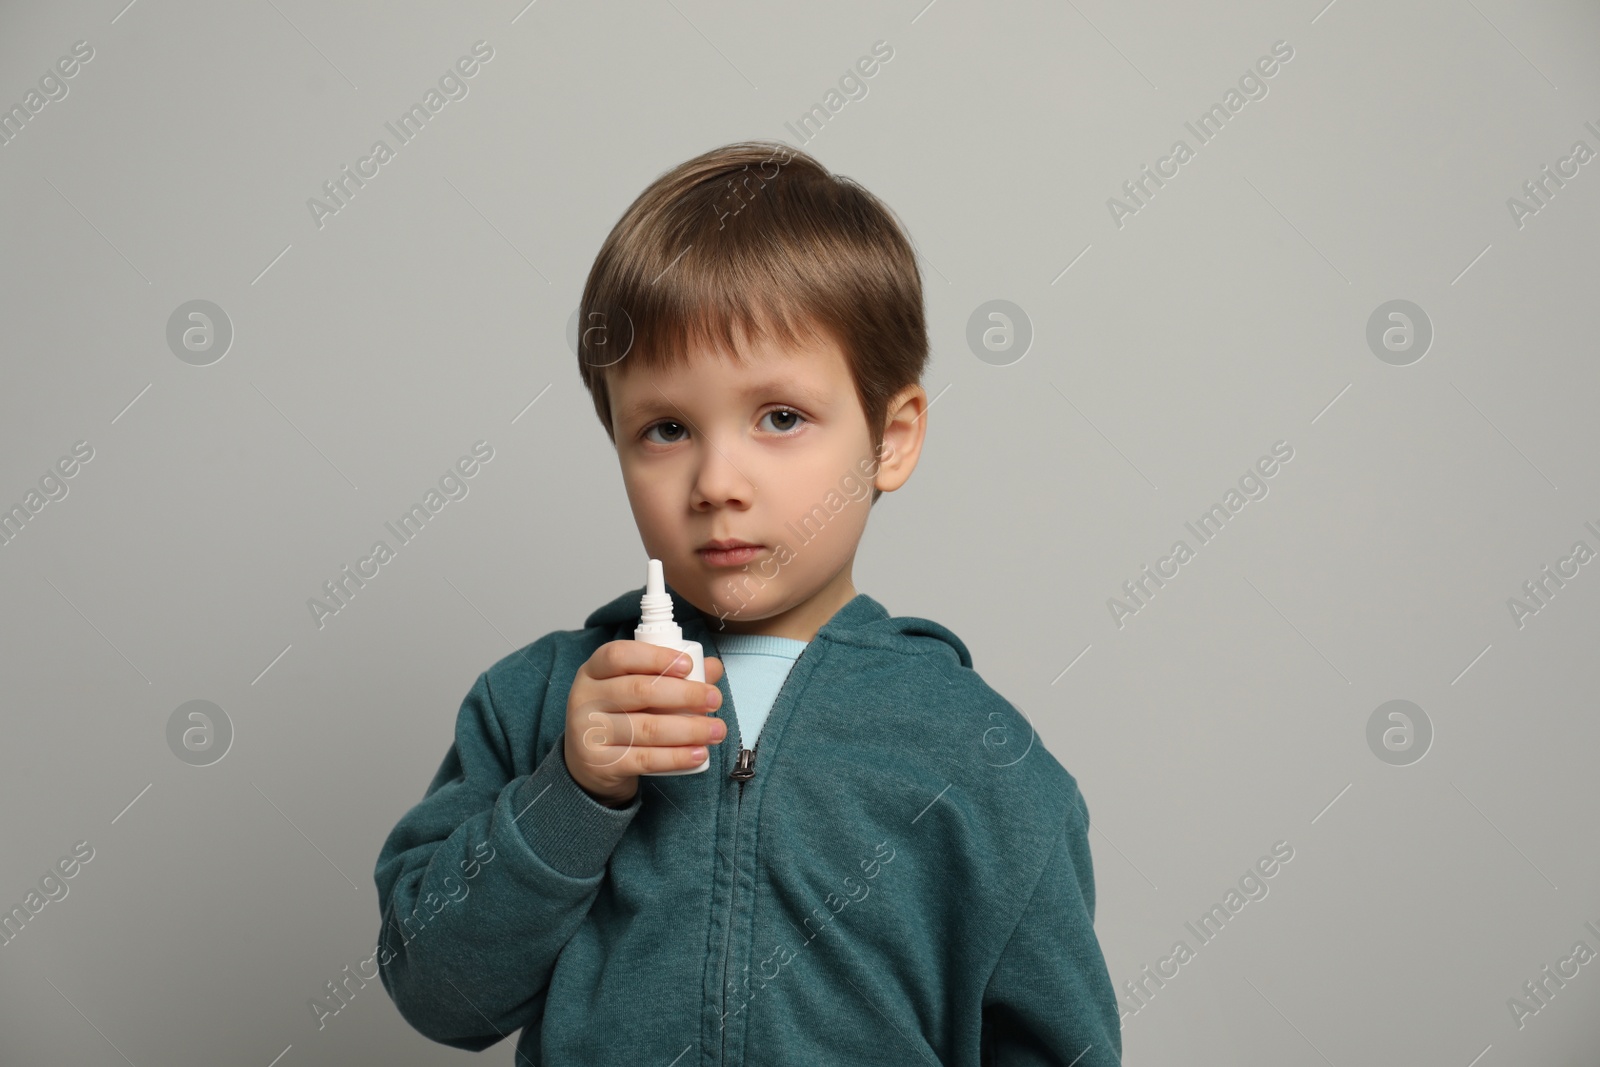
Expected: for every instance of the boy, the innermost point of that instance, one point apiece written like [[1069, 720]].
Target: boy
[[903, 875]]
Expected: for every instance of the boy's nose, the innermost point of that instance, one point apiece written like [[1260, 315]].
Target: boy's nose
[[719, 482]]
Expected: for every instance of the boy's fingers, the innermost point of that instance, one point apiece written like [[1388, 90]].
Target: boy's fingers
[[610, 738], [616, 658], [638, 676], [646, 692], [640, 692], [597, 740], [655, 760], [670, 731]]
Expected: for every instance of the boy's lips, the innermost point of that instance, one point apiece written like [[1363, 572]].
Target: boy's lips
[[729, 552], [729, 542]]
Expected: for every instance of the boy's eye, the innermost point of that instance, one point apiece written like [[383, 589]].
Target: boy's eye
[[658, 426], [791, 419], [785, 421]]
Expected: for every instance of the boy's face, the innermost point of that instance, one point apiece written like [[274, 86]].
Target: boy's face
[[774, 452]]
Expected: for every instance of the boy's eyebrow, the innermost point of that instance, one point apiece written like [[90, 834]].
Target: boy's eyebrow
[[655, 401]]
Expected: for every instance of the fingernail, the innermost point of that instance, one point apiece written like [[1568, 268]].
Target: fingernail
[[712, 698], [719, 730]]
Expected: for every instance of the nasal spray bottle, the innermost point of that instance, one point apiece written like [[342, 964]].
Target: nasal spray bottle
[[656, 627]]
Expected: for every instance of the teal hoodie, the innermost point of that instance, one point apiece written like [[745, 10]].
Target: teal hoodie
[[902, 877]]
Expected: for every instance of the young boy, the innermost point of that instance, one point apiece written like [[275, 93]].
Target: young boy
[[883, 864]]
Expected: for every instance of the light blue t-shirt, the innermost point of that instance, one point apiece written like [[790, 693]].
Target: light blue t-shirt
[[757, 665]]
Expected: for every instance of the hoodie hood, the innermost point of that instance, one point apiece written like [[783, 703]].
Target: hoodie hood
[[862, 621]]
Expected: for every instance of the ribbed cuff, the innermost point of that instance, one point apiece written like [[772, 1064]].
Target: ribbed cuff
[[566, 827]]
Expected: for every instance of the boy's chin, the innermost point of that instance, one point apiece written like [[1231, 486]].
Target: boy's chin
[[727, 613]]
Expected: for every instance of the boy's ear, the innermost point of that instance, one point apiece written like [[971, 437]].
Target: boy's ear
[[904, 428]]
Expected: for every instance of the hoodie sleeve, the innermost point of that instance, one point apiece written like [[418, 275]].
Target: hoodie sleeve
[[484, 881], [1050, 999]]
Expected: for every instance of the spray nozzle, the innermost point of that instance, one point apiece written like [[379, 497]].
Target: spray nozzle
[[655, 607]]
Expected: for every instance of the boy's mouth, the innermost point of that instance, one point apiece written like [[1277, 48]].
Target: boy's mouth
[[729, 552]]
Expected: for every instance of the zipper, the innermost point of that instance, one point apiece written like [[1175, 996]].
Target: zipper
[[744, 770]]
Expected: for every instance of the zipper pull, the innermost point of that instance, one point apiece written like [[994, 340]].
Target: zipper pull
[[745, 769]]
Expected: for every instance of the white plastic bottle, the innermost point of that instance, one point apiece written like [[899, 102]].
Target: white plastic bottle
[[656, 627]]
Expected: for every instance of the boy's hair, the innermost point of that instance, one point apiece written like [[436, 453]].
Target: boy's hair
[[761, 236]]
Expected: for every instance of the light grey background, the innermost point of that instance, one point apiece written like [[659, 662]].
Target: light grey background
[[1228, 314]]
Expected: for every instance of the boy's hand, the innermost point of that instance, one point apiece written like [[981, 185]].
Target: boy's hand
[[631, 710]]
